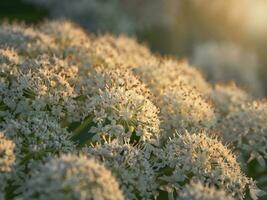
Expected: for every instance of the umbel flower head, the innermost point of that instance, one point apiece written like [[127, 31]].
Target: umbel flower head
[[65, 33], [119, 51], [28, 41], [71, 177], [124, 114], [87, 50], [201, 158], [228, 98], [118, 107], [35, 95], [198, 191], [161, 73], [247, 130], [184, 108], [131, 166], [71, 42]]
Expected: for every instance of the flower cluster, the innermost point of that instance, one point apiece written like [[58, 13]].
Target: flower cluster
[[71, 177], [110, 101], [131, 166], [123, 114], [160, 73], [201, 158], [184, 108], [246, 128], [27, 41], [228, 97]]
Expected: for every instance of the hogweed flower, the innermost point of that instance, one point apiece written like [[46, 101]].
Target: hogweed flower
[[62, 89], [132, 167], [118, 107], [28, 41], [71, 177], [228, 98], [183, 108], [36, 94], [246, 128], [201, 158], [119, 51], [124, 115], [161, 73], [87, 50]]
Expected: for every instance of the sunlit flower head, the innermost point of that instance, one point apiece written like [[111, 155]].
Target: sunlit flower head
[[131, 166], [182, 108], [122, 114], [228, 98], [72, 177], [246, 128], [164, 72], [25, 40], [201, 158]]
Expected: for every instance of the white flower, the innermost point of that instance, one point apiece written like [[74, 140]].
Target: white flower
[[131, 166], [161, 73], [201, 158], [71, 177], [27, 41], [246, 128], [184, 108], [121, 114]]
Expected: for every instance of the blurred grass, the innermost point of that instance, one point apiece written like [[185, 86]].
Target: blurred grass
[[16, 10]]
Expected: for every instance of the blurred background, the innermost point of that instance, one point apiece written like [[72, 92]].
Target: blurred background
[[226, 40]]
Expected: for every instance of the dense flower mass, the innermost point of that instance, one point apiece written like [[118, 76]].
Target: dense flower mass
[[107, 99], [34, 93], [183, 108], [132, 168], [197, 191], [228, 98], [124, 114], [247, 129], [201, 158], [72, 177], [162, 72], [27, 41]]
